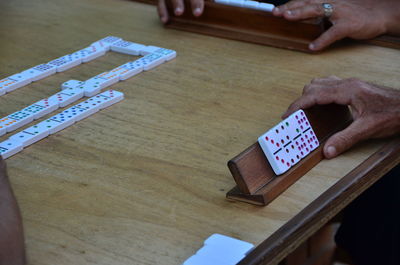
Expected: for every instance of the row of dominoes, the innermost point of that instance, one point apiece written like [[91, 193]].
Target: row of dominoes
[[74, 90], [58, 122], [39, 109], [220, 250], [247, 4], [288, 142], [93, 85], [152, 56]]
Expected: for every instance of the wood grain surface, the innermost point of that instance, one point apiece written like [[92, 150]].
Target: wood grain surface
[[144, 181]]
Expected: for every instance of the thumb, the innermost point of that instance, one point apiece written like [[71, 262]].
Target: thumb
[[343, 140]]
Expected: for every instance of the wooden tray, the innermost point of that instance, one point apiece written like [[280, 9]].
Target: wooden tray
[[247, 25], [256, 181], [257, 26]]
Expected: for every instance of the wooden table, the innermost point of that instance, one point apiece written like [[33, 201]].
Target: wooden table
[[144, 181]]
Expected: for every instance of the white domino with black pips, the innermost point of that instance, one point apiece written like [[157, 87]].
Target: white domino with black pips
[[73, 90], [288, 142], [58, 122], [153, 56]]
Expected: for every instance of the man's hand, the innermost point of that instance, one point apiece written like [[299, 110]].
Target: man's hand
[[375, 109], [179, 7], [357, 19], [12, 251]]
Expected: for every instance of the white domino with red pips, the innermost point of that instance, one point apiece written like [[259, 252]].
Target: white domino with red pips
[[288, 142], [73, 90], [127, 47], [58, 122], [105, 43], [153, 56]]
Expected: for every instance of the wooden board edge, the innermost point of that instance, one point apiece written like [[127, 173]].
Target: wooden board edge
[[325, 207], [240, 36], [384, 41], [278, 184], [235, 195]]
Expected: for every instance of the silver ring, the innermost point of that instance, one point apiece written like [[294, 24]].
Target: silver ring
[[328, 9]]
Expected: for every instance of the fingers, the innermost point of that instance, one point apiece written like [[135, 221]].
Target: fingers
[[304, 12], [334, 33], [303, 102], [179, 7], [330, 81], [162, 11], [197, 7], [280, 10], [331, 91], [343, 140]]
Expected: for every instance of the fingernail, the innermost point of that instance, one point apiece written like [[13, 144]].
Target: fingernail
[[289, 13], [276, 9], [330, 151], [178, 10], [197, 11], [312, 46]]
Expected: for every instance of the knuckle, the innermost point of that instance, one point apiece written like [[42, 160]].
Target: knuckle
[[354, 82], [307, 88], [311, 98], [293, 106], [358, 85], [342, 141]]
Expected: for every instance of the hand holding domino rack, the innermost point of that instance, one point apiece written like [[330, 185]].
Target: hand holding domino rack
[[356, 111], [375, 109], [356, 19]]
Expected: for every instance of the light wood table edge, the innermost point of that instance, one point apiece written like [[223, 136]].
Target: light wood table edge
[[275, 248]]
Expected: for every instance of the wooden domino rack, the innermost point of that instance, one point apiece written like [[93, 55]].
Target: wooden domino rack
[[256, 182], [256, 26], [247, 25]]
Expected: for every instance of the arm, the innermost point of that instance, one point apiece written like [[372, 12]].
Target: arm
[[375, 110], [179, 7], [12, 250], [357, 19]]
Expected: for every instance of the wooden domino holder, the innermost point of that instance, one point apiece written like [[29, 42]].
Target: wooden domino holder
[[256, 181], [257, 26], [247, 25]]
